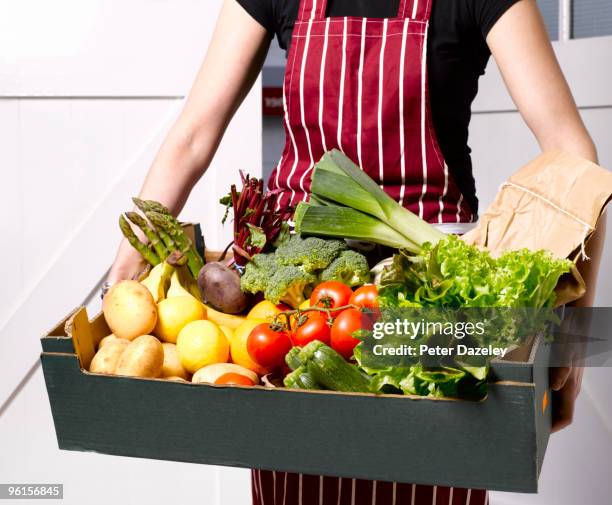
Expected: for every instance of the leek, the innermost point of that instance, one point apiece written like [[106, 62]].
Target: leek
[[336, 221], [347, 203]]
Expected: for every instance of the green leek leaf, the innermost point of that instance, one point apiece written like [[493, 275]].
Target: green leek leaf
[[336, 221], [336, 180]]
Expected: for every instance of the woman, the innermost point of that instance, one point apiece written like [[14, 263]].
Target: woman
[[390, 83]]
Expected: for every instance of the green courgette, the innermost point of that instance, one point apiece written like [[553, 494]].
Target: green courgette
[[292, 358], [300, 378], [330, 370], [306, 353]]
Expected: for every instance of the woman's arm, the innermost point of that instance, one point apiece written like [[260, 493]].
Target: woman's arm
[[234, 59], [521, 47]]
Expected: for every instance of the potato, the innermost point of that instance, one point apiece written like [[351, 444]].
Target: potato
[[106, 359], [106, 340], [175, 379], [144, 357], [172, 365], [129, 310], [220, 287], [211, 373]]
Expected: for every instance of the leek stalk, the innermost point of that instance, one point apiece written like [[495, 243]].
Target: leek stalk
[[347, 203], [344, 222]]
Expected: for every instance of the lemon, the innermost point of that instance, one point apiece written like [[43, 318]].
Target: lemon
[[263, 310], [238, 346], [201, 343], [174, 313]]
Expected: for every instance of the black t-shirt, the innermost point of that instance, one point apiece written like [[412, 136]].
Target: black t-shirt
[[457, 57]]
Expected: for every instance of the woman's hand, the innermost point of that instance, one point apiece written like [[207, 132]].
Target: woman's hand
[[128, 264], [565, 381], [231, 66]]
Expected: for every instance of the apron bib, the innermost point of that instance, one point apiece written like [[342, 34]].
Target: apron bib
[[360, 85]]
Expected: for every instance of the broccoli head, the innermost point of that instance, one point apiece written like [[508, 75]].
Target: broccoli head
[[290, 285], [290, 273], [310, 254], [257, 273], [350, 267]]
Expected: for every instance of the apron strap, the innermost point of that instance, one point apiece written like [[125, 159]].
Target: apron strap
[[312, 10], [415, 9]]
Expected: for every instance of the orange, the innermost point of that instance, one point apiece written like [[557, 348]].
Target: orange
[[238, 346], [263, 310]]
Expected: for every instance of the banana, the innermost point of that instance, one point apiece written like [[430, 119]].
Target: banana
[[182, 284], [222, 319], [158, 280]]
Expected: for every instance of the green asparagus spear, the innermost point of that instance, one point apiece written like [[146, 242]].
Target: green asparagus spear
[[172, 227], [149, 232], [169, 239], [129, 234], [151, 205], [176, 259], [168, 242]]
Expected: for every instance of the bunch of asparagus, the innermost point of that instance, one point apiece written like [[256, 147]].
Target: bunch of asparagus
[[163, 232]]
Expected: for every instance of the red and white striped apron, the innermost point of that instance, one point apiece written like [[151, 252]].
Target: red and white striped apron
[[360, 85], [280, 488]]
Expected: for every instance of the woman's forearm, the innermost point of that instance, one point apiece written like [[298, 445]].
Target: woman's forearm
[[231, 66], [181, 161], [568, 135], [520, 45]]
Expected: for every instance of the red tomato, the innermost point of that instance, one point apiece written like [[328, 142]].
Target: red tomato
[[283, 307], [347, 323], [365, 296], [234, 378], [314, 327], [331, 294], [267, 347]]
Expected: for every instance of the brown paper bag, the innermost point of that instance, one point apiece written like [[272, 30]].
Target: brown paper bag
[[551, 203]]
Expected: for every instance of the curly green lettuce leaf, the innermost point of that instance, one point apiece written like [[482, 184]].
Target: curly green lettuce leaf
[[443, 382], [454, 274]]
